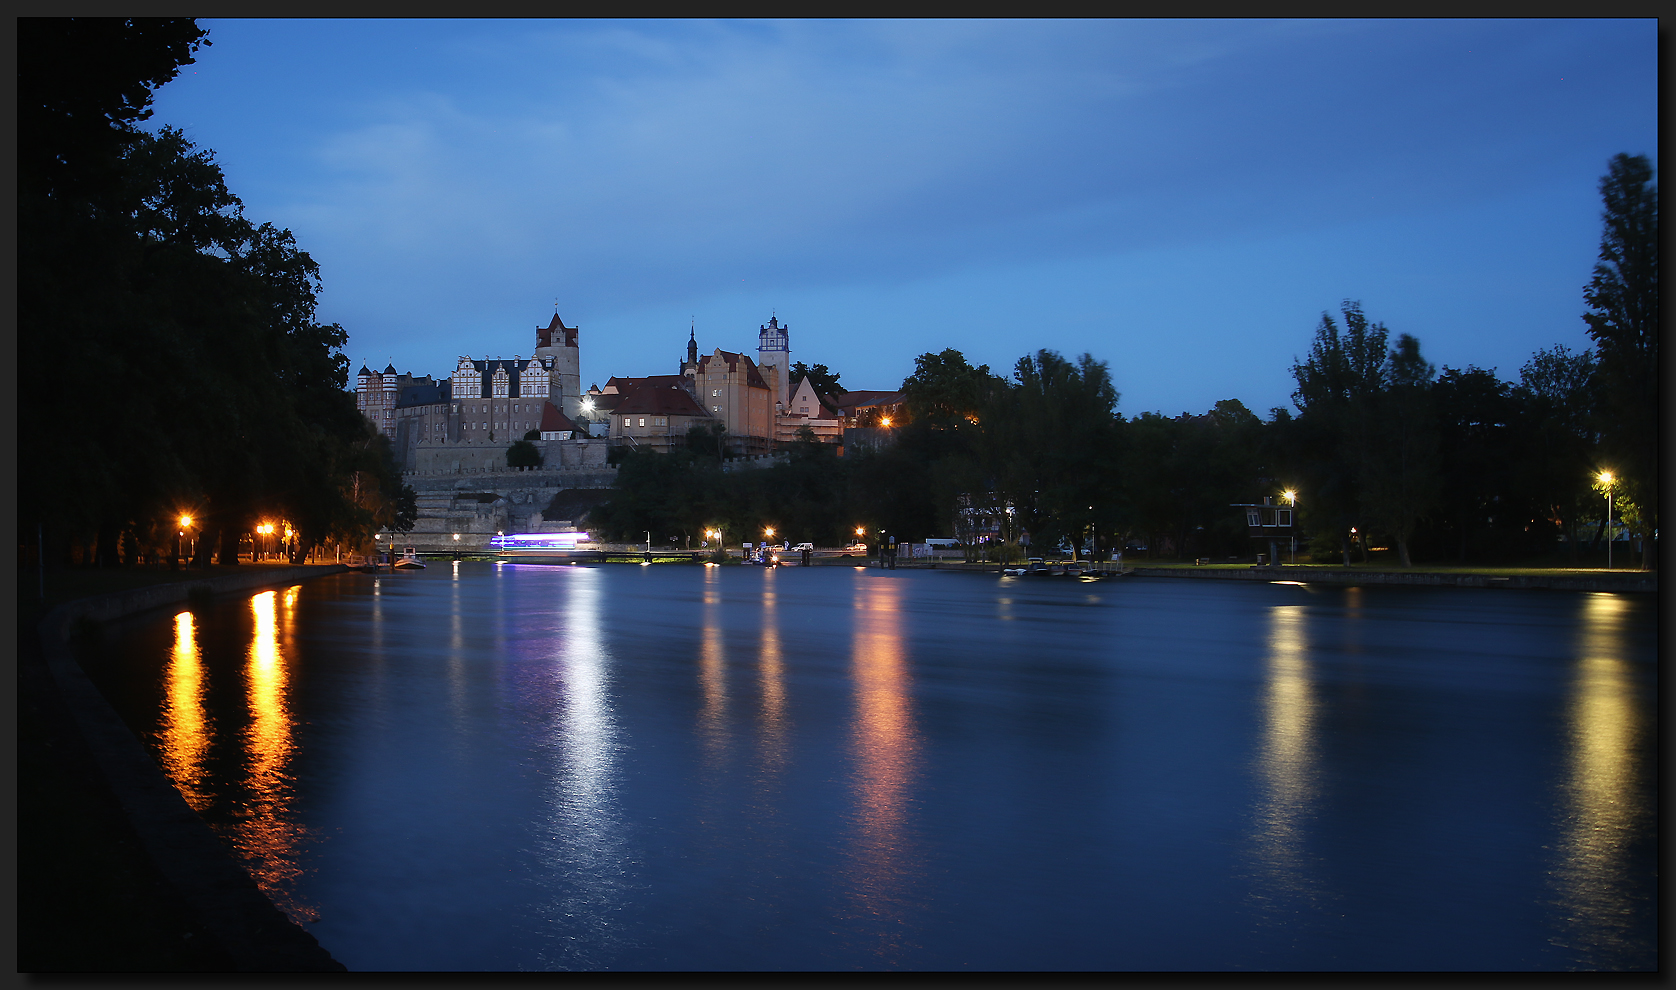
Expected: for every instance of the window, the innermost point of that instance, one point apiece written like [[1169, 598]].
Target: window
[[1253, 517], [715, 408], [642, 421], [660, 420], [715, 392], [1285, 517]]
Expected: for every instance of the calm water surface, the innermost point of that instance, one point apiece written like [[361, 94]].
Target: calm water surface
[[487, 766]]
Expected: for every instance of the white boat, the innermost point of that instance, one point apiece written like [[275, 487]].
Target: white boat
[[544, 548], [409, 560]]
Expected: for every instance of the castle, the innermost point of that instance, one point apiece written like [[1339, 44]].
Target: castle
[[466, 421], [489, 401]]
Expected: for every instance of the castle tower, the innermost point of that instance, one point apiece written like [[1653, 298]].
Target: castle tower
[[689, 367], [561, 344], [774, 351]]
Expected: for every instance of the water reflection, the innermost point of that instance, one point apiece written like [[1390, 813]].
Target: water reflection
[[886, 746], [267, 836], [586, 847], [1286, 763], [186, 732], [771, 680], [1603, 802], [712, 676]]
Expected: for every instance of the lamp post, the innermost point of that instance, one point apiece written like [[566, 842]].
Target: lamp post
[[185, 527], [1291, 498], [1606, 482]]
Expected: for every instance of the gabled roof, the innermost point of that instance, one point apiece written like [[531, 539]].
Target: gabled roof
[[623, 385], [860, 400], [753, 377], [487, 368], [605, 401], [553, 419], [655, 400], [556, 334], [826, 402], [424, 394]]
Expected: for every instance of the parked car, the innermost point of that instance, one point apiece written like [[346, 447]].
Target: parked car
[[804, 546], [856, 548]]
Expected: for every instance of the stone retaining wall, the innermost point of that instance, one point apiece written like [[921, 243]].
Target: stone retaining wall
[[229, 904]]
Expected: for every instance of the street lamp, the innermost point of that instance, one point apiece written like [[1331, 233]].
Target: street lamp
[[1606, 482], [1291, 498], [185, 525]]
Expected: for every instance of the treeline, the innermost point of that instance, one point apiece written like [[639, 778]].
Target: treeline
[[170, 362], [1384, 453]]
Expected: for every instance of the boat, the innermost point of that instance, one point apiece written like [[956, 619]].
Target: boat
[[544, 548], [369, 565], [409, 560]]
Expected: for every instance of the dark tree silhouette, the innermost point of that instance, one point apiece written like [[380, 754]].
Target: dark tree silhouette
[[1623, 319]]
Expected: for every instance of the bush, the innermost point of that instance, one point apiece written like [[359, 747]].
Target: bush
[[523, 454]]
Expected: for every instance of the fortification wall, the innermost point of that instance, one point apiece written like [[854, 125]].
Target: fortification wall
[[456, 512]]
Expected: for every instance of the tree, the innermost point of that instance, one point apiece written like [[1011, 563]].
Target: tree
[[824, 380], [1558, 398], [1623, 320], [407, 510], [1337, 385], [944, 388], [1400, 469], [1050, 444], [1480, 442], [708, 438], [136, 250], [524, 454]]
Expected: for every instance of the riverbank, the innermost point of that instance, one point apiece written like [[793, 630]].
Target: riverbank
[[1556, 579], [116, 872], [1550, 578]]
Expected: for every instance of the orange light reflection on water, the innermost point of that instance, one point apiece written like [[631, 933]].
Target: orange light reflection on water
[[886, 746], [712, 677], [771, 681], [266, 836], [186, 732]]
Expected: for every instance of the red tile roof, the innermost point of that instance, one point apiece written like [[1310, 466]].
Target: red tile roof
[[554, 420], [850, 401], [655, 400]]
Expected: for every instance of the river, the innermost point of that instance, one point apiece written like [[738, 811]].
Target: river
[[521, 767]]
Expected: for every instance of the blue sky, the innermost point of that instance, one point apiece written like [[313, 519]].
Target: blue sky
[[1181, 199]]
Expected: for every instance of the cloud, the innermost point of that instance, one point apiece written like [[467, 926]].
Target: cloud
[[450, 172]]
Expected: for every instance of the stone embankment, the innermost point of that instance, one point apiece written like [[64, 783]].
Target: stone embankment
[[229, 905], [1633, 581]]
